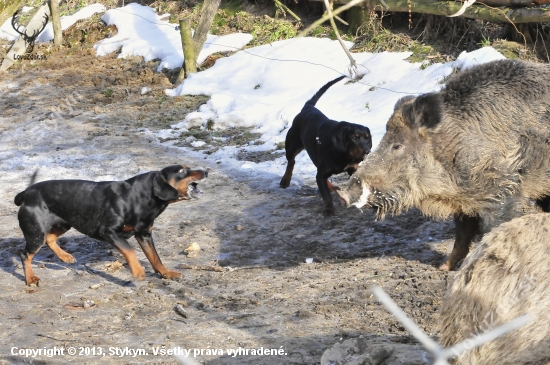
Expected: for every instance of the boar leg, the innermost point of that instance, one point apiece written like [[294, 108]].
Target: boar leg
[[324, 190], [467, 228], [544, 204]]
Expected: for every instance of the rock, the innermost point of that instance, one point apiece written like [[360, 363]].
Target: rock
[[356, 351], [375, 350], [303, 314], [193, 250], [181, 311], [114, 266]]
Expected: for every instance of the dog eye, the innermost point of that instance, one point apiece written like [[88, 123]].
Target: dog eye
[[182, 171]]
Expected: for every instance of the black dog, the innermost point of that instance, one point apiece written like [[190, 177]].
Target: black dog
[[333, 146], [111, 211]]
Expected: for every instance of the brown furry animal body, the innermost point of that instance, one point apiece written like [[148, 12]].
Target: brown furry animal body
[[505, 277], [473, 151]]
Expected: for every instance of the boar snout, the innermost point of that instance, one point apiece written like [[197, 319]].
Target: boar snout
[[356, 194], [344, 198]]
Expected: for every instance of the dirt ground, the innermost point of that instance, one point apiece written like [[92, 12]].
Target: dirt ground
[[249, 287]]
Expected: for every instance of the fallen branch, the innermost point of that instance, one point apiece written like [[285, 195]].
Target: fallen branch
[[446, 8], [326, 17], [200, 267], [352, 63], [285, 9], [514, 3]]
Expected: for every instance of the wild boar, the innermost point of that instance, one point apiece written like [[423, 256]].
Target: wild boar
[[505, 277], [475, 151]]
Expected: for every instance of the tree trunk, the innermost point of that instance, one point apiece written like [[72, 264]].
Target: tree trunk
[[190, 59], [8, 7], [514, 3], [56, 23], [208, 11], [479, 12]]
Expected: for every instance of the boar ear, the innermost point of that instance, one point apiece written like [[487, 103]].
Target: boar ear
[[427, 110], [402, 101]]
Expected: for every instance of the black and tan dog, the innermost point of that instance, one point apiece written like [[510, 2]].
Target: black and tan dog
[[111, 211], [334, 147]]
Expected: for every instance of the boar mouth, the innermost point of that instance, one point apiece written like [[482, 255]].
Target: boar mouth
[[360, 201], [382, 203], [385, 203]]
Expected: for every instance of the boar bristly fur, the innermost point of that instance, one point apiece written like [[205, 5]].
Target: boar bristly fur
[[505, 277], [473, 151]]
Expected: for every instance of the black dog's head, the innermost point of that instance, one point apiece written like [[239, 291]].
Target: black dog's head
[[353, 139], [175, 183]]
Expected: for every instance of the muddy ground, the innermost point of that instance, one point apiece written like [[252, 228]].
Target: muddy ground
[[257, 291]]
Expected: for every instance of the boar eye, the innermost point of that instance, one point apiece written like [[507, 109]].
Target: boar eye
[[396, 147]]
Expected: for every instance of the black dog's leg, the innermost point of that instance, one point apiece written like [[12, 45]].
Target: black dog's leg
[[51, 241], [324, 190], [122, 245], [33, 230], [293, 146], [26, 258], [145, 240]]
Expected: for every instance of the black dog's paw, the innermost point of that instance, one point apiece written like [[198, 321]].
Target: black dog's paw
[[328, 211]]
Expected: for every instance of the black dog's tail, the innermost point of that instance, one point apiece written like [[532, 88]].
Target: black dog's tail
[[20, 198], [321, 91]]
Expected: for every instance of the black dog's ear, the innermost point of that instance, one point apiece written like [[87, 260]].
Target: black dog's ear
[[163, 190], [339, 139]]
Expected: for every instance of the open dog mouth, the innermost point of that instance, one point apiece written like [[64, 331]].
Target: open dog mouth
[[193, 191]]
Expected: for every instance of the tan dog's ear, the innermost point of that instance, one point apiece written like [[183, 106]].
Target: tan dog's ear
[[163, 190]]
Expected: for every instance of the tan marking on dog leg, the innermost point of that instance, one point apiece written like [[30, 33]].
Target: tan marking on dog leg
[[332, 187], [155, 261], [127, 228], [138, 271], [51, 241], [287, 177], [30, 278]]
